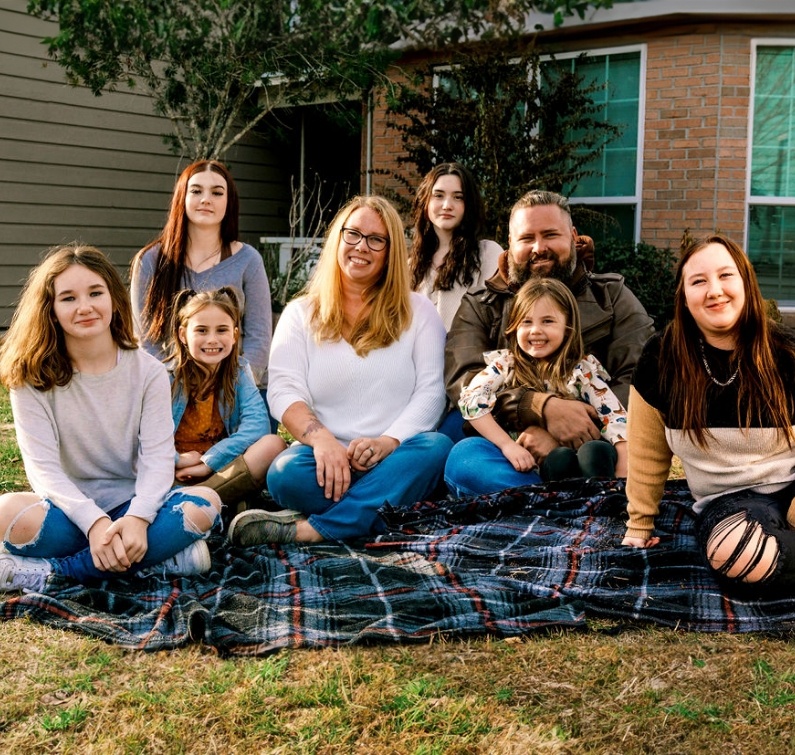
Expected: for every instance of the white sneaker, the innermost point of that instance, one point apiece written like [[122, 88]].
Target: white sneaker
[[195, 559], [23, 573]]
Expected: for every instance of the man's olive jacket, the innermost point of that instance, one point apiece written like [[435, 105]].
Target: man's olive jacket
[[615, 327]]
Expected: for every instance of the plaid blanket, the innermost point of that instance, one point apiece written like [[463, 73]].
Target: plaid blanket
[[502, 565]]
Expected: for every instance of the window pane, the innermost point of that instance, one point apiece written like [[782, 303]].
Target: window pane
[[620, 173], [773, 151], [614, 164], [771, 249], [603, 222]]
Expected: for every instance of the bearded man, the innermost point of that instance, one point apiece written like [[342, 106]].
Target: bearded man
[[542, 243]]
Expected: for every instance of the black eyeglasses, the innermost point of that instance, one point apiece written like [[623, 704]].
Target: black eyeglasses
[[375, 243]]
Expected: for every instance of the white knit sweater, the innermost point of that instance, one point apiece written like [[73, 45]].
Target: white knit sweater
[[100, 440], [396, 391]]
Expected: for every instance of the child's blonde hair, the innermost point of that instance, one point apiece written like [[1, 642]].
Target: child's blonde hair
[[33, 349], [556, 370], [190, 376]]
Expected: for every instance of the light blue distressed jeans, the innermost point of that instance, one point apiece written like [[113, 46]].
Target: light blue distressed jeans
[[65, 546]]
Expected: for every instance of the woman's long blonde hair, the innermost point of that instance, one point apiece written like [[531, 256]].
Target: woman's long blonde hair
[[33, 349], [192, 378], [388, 311], [555, 371]]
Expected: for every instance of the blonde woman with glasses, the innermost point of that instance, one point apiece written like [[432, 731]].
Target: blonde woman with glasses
[[356, 377]]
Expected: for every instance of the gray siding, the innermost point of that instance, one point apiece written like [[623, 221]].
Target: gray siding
[[75, 166]]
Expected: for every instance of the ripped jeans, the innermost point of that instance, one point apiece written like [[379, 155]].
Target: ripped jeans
[[65, 546], [746, 541]]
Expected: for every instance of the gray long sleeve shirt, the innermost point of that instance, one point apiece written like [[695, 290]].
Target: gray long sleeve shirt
[[101, 440], [245, 271]]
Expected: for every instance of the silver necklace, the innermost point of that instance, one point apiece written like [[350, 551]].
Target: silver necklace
[[205, 259], [709, 371]]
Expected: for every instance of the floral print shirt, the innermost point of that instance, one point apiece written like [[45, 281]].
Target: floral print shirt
[[588, 382]]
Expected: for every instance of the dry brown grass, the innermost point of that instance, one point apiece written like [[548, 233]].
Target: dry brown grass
[[608, 690], [640, 691]]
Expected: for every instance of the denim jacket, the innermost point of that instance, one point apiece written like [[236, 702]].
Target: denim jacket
[[245, 424]]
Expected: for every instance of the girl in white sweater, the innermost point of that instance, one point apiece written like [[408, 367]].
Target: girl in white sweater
[[92, 414], [448, 257]]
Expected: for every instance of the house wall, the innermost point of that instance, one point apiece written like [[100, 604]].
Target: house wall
[[697, 92], [386, 143], [75, 166], [695, 149]]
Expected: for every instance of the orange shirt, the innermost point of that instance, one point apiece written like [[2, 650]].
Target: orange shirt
[[201, 426]]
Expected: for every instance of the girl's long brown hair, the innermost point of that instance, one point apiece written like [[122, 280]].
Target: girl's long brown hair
[[192, 378], [33, 349], [389, 313], [463, 260], [556, 370], [173, 241], [761, 394]]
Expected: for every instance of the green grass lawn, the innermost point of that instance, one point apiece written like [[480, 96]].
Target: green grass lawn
[[639, 690]]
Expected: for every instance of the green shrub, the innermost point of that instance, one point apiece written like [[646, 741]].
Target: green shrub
[[648, 271]]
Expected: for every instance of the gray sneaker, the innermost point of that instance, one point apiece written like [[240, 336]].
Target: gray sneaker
[[195, 559], [23, 573], [256, 527]]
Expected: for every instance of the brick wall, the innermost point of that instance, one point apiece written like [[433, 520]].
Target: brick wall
[[694, 160], [387, 148]]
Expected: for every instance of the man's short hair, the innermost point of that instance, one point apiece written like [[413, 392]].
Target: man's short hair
[[538, 197]]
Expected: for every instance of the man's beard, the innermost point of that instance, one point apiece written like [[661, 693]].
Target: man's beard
[[518, 275]]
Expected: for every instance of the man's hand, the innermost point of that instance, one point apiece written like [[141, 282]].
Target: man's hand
[[538, 442], [571, 422]]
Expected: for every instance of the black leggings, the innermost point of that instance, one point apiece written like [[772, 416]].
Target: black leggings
[[594, 458]]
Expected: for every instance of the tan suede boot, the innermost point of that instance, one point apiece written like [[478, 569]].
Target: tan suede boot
[[791, 514], [233, 483]]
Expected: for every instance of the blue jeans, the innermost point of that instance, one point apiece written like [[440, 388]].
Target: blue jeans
[[408, 474], [65, 546], [476, 466], [769, 511], [453, 425]]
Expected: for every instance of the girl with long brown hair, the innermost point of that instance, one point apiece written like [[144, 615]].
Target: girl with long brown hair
[[198, 249], [222, 426], [716, 389], [92, 419], [448, 257]]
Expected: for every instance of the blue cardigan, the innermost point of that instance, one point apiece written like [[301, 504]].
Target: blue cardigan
[[245, 424]]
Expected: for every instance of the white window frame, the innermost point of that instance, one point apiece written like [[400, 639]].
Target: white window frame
[[637, 198], [749, 198]]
